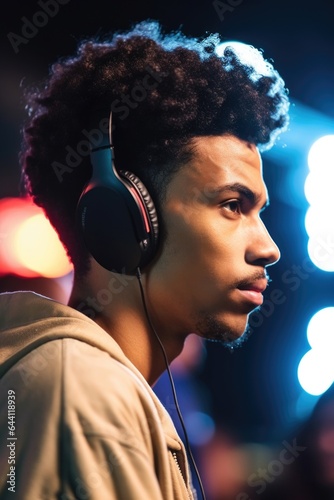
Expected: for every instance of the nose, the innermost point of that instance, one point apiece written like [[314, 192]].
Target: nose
[[262, 250]]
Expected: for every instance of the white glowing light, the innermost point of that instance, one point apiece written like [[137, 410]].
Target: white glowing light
[[247, 54], [316, 368], [316, 371], [320, 248], [321, 154]]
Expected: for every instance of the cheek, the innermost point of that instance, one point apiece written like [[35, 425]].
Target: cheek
[[181, 270], [195, 264], [183, 240], [203, 247]]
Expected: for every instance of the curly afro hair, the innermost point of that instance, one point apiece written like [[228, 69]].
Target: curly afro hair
[[164, 89]]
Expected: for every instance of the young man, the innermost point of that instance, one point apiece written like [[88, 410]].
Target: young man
[[186, 127]]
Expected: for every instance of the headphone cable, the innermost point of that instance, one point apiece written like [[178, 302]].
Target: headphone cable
[[138, 273]]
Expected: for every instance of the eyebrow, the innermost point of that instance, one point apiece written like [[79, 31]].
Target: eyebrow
[[237, 187]]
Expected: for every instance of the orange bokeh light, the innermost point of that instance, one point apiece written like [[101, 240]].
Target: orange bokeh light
[[29, 246]]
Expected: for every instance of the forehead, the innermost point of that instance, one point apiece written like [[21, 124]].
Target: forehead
[[224, 159], [218, 161]]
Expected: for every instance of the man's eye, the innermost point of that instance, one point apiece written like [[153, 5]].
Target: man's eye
[[232, 206]]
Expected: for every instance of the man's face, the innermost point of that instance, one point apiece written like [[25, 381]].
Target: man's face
[[210, 273]]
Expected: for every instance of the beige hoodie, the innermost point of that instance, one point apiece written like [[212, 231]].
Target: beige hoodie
[[77, 419]]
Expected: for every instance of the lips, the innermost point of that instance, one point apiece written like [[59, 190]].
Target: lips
[[252, 292]]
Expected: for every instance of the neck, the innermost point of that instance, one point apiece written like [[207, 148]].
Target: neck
[[117, 306]]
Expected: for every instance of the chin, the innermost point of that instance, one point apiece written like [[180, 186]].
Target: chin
[[215, 330]]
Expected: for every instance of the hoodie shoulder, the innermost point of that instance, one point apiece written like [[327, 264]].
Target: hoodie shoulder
[[28, 320]]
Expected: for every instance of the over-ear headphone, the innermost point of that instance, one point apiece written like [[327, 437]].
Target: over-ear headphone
[[115, 211]]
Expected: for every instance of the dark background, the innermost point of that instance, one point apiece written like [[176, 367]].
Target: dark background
[[253, 390]]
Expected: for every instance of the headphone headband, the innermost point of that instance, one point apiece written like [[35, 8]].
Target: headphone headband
[[115, 212]]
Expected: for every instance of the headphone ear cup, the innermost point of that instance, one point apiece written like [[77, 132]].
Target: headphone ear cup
[[115, 212], [148, 203], [108, 228]]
